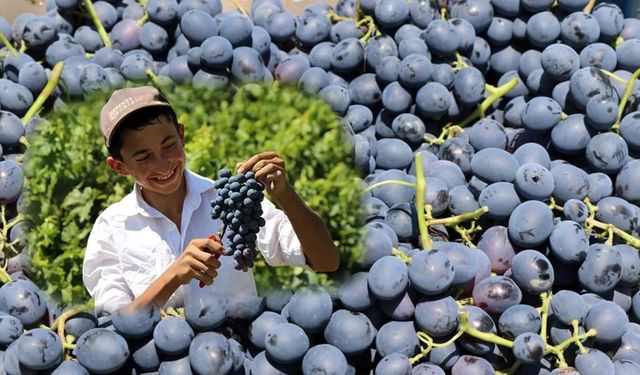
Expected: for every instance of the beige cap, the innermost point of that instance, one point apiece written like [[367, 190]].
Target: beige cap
[[124, 102]]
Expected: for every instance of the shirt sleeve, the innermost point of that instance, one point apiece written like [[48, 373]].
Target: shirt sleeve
[[277, 240], [101, 271]]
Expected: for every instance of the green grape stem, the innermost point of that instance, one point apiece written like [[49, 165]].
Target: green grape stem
[[429, 344], [371, 28], [4, 236], [589, 7], [48, 89], [58, 324], [625, 98], [240, 8], [97, 23], [145, 17], [495, 93], [458, 219], [465, 328], [401, 255], [10, 47], [335, 17], [544, 314], [614, 76], [610, 229], [484, 336], [388, 182], [421, 185], [465, 234]]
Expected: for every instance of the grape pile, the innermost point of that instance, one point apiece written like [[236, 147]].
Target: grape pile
[[498, 142], [238, 205]]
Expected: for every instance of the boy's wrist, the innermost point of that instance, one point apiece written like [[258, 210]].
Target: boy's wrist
[[286, 195], [170, 278]]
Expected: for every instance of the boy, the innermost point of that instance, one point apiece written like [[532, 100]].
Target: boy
[[152, 246]]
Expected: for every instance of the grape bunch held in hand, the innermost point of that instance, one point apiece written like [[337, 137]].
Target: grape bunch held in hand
[[238, 205]]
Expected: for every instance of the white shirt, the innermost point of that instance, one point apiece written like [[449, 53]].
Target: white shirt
[[132, 244]]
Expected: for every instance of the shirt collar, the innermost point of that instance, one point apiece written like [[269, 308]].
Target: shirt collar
[[196, 186]]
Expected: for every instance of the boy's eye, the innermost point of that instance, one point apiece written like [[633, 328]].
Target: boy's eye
[[170, 146], [144, 158]]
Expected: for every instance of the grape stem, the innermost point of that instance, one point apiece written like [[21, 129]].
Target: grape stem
[[614, 76], [23, 46], [455, 220], [421, 186], [7, 44], [58, 324], [240, 8], [625, 98], [544, 314], [610, 229], [155, 81], [459, 63], [484, 336], [465, 328], [576, 333], [4, 236], [145, 17], [589, 7], [447, 132], [495, 93], [451, 221], [171, 311], [48, 89], [387, 182], [429, 344], [466, 234], [97, 23], [371, 28], [401, 255], [335, 17]]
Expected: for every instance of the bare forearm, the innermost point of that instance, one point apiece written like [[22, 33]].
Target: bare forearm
[[158, 292], [319, 249]]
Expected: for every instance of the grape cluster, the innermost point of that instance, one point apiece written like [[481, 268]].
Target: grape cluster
[[238, 205]]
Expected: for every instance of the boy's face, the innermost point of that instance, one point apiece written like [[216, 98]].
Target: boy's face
[[153, 156]]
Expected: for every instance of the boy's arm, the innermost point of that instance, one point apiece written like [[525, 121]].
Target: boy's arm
[[197, 261], [318, 247], [158, 293], [320, 252]]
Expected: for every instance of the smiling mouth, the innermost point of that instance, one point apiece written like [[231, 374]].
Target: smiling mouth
[[167, 177]]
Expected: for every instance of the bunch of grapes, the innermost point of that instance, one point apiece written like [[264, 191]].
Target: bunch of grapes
[[238, 205]]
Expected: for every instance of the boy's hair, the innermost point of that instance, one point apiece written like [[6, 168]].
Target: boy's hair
[[138, 121]]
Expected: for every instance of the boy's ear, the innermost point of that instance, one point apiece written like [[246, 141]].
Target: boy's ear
[[181, 132], [117, 166]]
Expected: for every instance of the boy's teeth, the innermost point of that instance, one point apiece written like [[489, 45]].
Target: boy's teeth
[[165, 177]]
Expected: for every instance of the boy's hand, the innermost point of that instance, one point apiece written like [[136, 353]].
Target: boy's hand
[[269, 169], [199, 260]]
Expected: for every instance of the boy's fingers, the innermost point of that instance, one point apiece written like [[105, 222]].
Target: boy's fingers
[[211, 246], [262, 174], [203, 278], [263, 163], [249, 164]]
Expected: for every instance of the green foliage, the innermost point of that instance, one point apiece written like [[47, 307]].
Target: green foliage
[[307, 135], [68, 183]]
